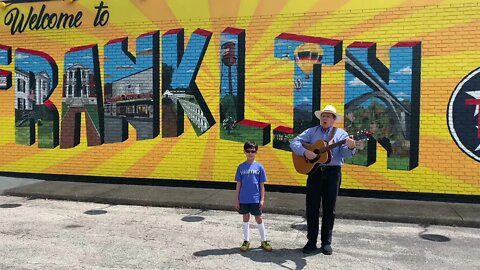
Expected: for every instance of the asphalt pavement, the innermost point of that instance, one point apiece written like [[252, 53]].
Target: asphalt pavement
[[357, 208], [59, 234]]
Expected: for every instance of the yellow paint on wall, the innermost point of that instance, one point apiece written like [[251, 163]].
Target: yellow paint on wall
[[123, 160], [448, 54], [38, 162], [182, 162]]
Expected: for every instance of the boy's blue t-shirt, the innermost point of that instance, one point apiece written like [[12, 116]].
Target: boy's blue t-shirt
[[250, 176]]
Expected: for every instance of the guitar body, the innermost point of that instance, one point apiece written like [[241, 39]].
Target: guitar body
[[323, 151], [305, 166]]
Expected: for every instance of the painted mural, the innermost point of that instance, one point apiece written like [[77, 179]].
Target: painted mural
[[172, 89]]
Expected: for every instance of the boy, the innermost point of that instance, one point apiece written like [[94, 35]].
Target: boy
[[250, 195]]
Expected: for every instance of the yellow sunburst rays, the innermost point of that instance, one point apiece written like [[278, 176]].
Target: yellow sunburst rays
[[158, 13], [391, 177], [261, 23], [14, 152], [208, 155], [124, 158], [245, 14], [344, 18], [279, 68], [83, 158], [420, 179], [87, 28], [436, 182], [270, 109], [260, 48], [36, 160], [350, 178], [423, 21], [453, 161], [454, 65], [354, 176], [7, 132], [223, 14], [307, 28], [182, 162], [429, 122], [465, 31], [302, 26], [274, 67], [258, 111], [433, 114], [191, 14], [122, 14], [228, 154], [279, 167], [146, 164]]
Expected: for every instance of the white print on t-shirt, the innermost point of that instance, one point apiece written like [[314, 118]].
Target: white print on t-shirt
[[243, 172]]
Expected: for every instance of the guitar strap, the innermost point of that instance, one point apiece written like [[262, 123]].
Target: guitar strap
[[332, 133], [330, 141]]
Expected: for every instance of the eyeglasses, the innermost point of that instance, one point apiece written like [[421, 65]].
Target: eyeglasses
[[250, 151]]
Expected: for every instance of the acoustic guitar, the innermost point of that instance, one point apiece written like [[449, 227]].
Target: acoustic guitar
[[323, 151]]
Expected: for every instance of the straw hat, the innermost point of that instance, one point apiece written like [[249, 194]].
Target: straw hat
[[329, 109]]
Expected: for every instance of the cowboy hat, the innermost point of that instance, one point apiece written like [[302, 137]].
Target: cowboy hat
[[329, 109]]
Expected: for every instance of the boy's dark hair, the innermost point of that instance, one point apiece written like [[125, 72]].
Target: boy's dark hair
[[250, 145]]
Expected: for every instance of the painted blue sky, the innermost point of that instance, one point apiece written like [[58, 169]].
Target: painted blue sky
[[33, 63], [400, 77], [119, 65]]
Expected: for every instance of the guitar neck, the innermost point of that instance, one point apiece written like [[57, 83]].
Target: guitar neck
[[333, 145]]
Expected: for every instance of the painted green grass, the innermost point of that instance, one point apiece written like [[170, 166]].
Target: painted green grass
[[393, 163], [22, 135], [45, 135], [357, 160], [398, 163], [242, 134]]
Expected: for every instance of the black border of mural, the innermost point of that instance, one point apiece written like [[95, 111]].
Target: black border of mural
[[378, 194]]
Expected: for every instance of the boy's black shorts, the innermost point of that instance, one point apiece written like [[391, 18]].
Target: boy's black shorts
[[252, 208]]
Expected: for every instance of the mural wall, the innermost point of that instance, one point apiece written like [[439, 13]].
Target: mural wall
[[168, 90]]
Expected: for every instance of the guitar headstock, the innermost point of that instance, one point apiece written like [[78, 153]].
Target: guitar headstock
[[362, 135]]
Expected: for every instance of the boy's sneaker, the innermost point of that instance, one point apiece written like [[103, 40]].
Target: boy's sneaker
[[245, 246], [266, 246]]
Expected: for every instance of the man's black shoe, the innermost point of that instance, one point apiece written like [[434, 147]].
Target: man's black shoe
[[327, 249], [309, 248]]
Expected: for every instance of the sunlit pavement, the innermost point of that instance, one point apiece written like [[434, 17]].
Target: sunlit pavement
[[50, 234]]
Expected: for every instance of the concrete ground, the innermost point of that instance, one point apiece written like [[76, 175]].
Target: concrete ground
[[50, 234]]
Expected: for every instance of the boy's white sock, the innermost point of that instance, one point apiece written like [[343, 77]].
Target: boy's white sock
[[262, 231], [246, 231]]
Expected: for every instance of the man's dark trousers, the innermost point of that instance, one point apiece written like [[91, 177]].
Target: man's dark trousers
[[322, 189]]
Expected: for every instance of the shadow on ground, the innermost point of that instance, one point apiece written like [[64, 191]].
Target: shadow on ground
[[286, 258]]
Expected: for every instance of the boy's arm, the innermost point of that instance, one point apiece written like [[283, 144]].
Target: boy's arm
[[262, 195], [237, 195]]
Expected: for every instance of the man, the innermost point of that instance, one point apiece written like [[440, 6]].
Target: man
[[323, 183]]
